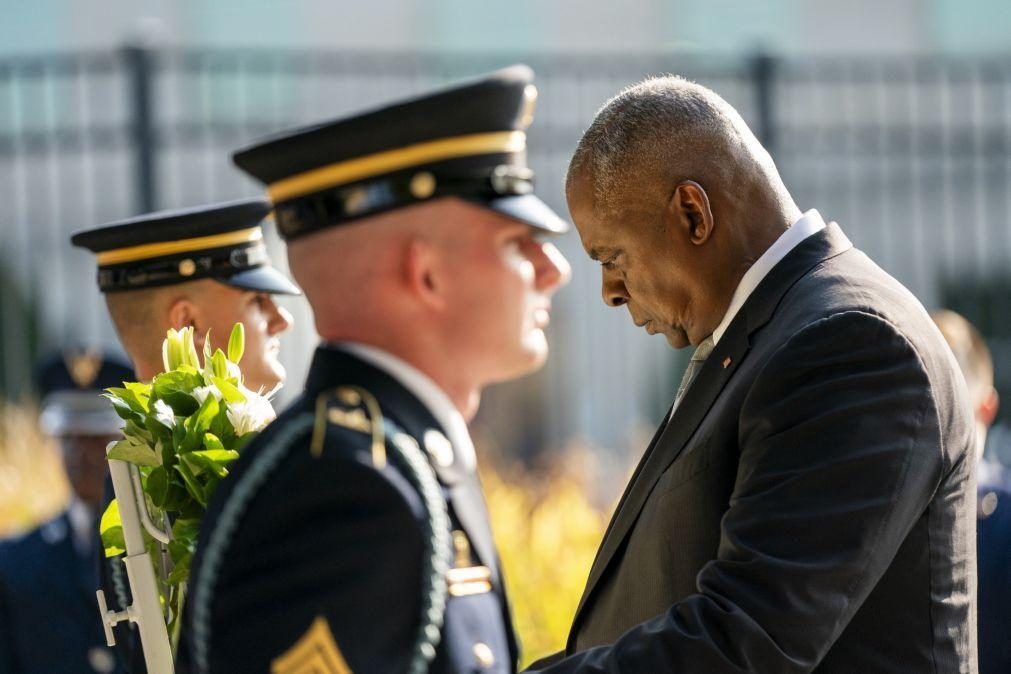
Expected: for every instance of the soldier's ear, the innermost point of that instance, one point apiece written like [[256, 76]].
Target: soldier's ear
[[422, 274], [183, 313]]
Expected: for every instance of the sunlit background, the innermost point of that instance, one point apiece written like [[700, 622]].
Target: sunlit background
[[892, 117]]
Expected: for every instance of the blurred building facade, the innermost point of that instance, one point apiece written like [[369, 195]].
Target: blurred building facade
[[910, 153]]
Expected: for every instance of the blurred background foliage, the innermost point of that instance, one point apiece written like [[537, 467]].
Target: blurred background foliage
[[33, 486]]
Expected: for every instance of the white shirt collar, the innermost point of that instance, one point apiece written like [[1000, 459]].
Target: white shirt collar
[[809, 223], [427, 391]]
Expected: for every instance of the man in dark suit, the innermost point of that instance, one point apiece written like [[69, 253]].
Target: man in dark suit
[[808, 504], [48, 617], [993, 508], [352, 534]]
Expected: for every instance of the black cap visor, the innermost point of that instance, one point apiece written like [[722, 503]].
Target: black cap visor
[[264, 279], [529, 209]]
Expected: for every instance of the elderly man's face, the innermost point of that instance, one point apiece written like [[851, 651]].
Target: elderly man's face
[[646, 266], [500, 298]]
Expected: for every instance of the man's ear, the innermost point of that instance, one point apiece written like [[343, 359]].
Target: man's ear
[[987, 410], [423, 275], [688, 210], [183, 313]]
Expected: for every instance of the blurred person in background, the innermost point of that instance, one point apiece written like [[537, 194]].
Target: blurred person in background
[[808, 502], [993, 512], [204, 267], [48, 621]]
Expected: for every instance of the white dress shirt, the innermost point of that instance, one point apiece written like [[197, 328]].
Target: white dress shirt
[[809, 223], [427, 391]]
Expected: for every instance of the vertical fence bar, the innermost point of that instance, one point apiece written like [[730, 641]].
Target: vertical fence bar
[[763, 73], [139, 80]]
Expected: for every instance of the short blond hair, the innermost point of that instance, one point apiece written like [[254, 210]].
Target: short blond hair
[[971, 352]]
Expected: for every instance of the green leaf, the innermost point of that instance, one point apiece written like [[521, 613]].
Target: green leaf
[[136, 453], [130, 396], [211, 441], [192, 486], [222, 427], [158, 431], [176, 389], [135, 429], [229, 391], [140, 389], [157, 486], [181, 570], [186, 530], [111, 529], [236, 343], [213, 461]]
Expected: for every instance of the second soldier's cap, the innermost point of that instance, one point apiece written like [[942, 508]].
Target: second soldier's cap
[[69, 385], [466, 141], [221, 241]]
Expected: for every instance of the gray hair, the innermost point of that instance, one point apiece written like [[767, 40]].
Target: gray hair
[[665, 127]]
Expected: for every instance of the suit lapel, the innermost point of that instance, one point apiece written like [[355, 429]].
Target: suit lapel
[[672, 436], [668, 443]]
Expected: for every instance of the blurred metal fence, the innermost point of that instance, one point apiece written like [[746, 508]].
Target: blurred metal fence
[[910, 155]]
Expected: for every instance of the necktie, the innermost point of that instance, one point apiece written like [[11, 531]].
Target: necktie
[[702, 352]]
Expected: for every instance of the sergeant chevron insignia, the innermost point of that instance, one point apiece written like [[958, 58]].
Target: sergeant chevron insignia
[[315, 652]]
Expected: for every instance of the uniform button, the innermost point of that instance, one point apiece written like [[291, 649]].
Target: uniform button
[[483, 655], [101, 659]]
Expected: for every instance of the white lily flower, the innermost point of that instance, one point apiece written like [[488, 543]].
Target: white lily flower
[[201, 393], [252, 415]]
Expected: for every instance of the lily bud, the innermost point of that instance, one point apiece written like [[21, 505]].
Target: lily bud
[[237, 343], [219, 364], [189, 349], [172, 350]]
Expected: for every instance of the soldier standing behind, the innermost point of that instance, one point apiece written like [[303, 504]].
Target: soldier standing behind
[[352, 534], [205, 267]]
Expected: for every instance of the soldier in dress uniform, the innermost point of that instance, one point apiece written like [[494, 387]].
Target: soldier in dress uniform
[[352, 534], [48, 621], [205, 267]]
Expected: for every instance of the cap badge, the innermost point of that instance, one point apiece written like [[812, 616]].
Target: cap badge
[[83, 368], [422, 185]]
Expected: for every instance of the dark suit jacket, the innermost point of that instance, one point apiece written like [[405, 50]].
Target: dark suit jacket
[[810, 505], [339, 537], [49, 618]]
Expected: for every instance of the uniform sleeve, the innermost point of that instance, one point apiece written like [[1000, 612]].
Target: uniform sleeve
[[840, 454], [330, 538]]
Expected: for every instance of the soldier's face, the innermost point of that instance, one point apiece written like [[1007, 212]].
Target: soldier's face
[[264, 321], [504, 277], [84, 460]]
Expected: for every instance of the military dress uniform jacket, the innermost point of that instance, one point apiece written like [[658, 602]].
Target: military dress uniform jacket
[[48, 614], [326, 564], [994, 556], [810, 504]]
